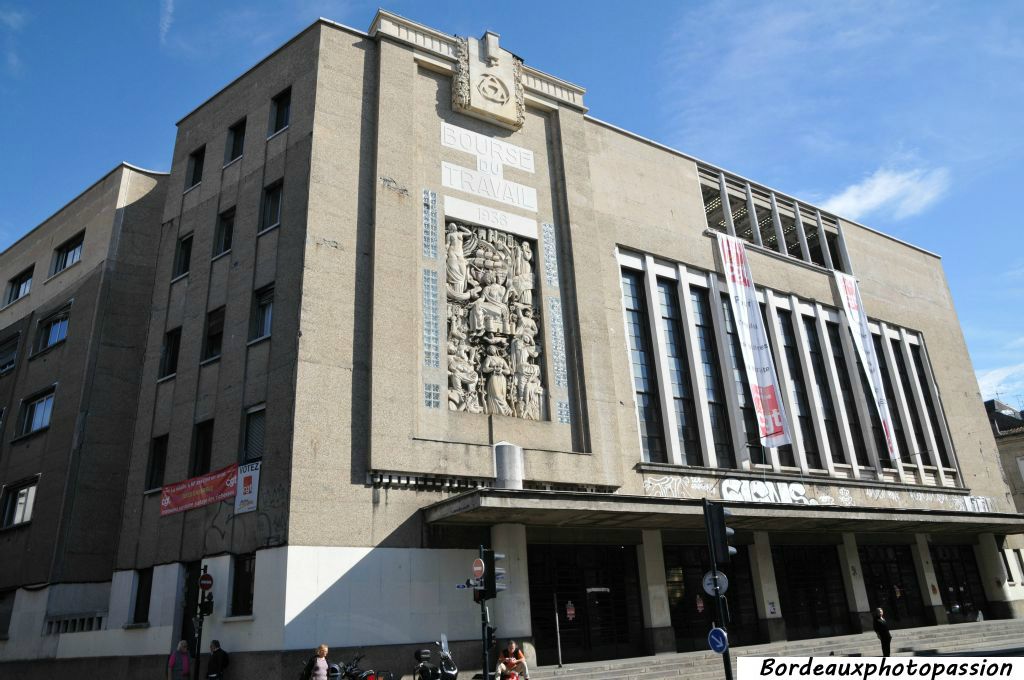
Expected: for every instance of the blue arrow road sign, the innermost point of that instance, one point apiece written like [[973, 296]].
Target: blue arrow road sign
[[718, 641]]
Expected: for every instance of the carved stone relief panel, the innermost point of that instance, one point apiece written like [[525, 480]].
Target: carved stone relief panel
[[488, 82], [493, 353]]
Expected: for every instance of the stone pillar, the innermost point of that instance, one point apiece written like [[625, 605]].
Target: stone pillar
[[853, 583], [993, 577], [766, 591], [661, 638], [510, 611], [928, 582]]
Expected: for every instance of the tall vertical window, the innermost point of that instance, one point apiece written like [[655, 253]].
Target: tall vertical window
[[679, 373], [1020, 562], [930, 406], [143, 594], [846, 388], [243, 584], [262, 313], [271, 215], [194, 174], [714, 390], [182, 257], [828, 407], [52, 329], [202, 448], [255, 433], [6, 610], [908, 392], [280, 111], [68, 253], [645, 382], [751, 428], [36, 412], [798, 391], [169, 353], [236, 141], [8, 353], [157, 462], [890, 398], [223, 233], [17, 503], [214, 334], [19, 286]]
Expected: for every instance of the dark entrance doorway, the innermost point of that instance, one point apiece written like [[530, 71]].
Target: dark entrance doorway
[[811, 591], [693, 610], [960, 586], [595, 590], [891, 582]]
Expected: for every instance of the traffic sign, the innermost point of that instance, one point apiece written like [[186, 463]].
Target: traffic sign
[[478, 568], [718, 640], [709, 583], [205, 582]]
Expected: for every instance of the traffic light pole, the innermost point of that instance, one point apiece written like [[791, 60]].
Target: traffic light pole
[[484, 625], [198, 625], [718, 595]]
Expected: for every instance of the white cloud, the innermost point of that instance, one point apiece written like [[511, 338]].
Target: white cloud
[[166, 19], [898, 193], [12, 18], [1005, 381]]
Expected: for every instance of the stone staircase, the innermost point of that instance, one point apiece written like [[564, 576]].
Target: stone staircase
[[986, 636]]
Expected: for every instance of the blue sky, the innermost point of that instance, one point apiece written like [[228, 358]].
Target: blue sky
[[906, 116]]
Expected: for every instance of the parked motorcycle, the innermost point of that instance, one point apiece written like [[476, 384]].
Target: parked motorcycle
[[445, 668], [352, 671]]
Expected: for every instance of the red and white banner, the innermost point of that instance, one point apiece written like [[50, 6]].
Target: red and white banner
[[765, 390], [196, 492], [849, 292]]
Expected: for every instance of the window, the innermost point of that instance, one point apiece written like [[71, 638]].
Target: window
[[52, 329], [36, 413], [798, 392], [828, 408], [68, 254], [271, 215], [714, 391], [243, 584], [8, 353], [1020, 562], [906, 454], [194, 173], [929, 404], [849, 399], [169, 354], [222, 234], [157, 462], [182, 257], [236, 141], [214, 334], [280, 109], [1006, 566], [143, 594], [202, 448], [262, 313], [751, 427], [679, 373], [19, 286], [915, 419], [645, 381], [255, 433], [17, 504]]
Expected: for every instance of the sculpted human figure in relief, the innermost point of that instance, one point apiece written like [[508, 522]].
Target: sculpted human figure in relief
[[493, 355]]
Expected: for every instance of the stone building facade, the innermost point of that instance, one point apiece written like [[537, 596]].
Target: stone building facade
[[406, 248]]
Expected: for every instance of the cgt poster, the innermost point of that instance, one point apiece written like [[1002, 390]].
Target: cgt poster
[[197, 492]]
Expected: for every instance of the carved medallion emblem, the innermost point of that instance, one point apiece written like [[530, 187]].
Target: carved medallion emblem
[[493, 328], [492, 88]]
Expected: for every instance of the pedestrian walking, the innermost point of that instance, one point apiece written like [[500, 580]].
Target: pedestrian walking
[[882, 631], [218, 664], [179, 666]]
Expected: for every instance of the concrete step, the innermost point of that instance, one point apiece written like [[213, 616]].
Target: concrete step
[[705, 665]]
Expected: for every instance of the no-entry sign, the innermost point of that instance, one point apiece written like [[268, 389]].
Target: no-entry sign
[[478, 568], [205, 582]]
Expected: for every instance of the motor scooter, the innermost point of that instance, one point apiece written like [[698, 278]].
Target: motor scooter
[[446, 669]]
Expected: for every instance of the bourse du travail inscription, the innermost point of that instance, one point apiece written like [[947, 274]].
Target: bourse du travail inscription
[[493, 353]]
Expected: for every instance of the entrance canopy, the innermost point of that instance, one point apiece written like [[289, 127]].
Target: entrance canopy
[[600, 510]]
